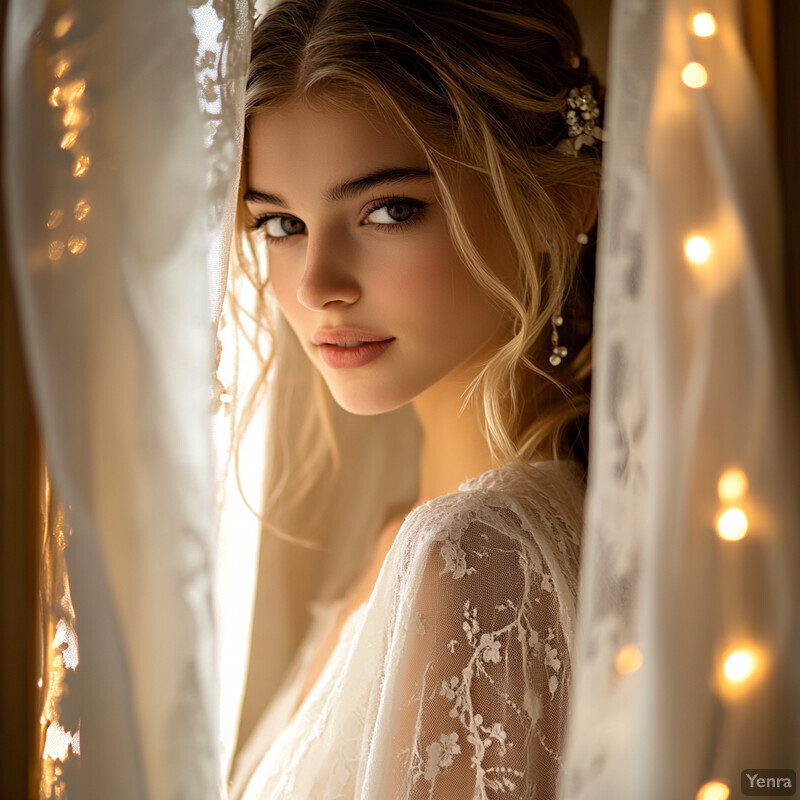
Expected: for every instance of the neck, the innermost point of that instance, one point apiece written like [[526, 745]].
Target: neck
[[453, 445]]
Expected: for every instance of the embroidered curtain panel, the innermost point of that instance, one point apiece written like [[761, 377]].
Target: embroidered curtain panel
[[122, 148]]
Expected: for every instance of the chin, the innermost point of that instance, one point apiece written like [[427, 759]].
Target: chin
[[365, 401]]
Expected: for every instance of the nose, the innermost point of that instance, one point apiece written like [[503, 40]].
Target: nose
[[328, 276]]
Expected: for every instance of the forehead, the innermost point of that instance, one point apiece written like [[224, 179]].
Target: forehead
[[297, 144]]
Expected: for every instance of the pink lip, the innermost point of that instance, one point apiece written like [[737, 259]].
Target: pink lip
[[346, 335], [370, 346]]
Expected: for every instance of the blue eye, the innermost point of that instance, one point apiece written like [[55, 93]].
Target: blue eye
[[394, 213], [278, 227]]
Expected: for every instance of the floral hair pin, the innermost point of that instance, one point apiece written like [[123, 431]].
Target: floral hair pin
[[582, 117]]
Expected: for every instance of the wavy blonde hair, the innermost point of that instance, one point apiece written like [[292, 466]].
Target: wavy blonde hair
[[479, 86]]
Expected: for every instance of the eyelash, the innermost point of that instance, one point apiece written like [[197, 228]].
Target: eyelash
[[259, 223]]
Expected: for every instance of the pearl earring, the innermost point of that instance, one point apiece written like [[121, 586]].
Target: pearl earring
[[582, 238]]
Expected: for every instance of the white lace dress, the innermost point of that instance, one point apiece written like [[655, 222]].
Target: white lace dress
[[451, 681]]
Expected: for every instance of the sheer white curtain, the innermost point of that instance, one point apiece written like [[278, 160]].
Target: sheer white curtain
[[692, 392], [112, 172], [119, 186]]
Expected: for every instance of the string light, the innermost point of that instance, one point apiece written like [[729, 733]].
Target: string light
[[77, 244], [61, 68], [69, 139], [740, 665], [55, 218], [74, 91], [694, 75], [72, 117], [82, 209], [81, 166], [55, 97], [732, 485], [713, 790], [704, 25], [63, 25], [732, 524], [629, 659], [55, 250], [697, 249]]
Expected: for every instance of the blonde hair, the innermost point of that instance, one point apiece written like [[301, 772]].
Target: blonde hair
[[481, 86]]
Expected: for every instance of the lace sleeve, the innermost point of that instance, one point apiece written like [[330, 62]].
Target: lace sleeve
[[478, 705]]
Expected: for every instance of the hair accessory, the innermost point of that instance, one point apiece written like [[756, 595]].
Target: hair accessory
[[559, 352], [582, 117]]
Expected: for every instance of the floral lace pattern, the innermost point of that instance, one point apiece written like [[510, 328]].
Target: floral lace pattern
[[453, 679]]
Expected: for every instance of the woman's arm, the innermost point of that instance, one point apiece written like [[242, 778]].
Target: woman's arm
[[475, 695]]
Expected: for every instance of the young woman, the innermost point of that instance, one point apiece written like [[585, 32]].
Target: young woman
[[422, 178]]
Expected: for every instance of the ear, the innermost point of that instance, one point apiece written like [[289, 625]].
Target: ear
[[579, 206]]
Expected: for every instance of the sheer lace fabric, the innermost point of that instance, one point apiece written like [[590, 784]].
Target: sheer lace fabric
[[452, 679]]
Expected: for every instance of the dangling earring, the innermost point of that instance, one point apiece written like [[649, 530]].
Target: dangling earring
[[559, 352]]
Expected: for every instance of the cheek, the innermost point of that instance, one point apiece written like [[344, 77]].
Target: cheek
[[283, 283], [425, 275]]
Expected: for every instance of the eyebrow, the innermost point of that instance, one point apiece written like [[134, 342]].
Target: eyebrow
[[349, 188]]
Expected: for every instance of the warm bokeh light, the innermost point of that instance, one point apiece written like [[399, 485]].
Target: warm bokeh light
[[73, 117], [732, 524], [55, 250], [74, 91], [63, 25], [77, 244], [55, 219], [61, 68], [55, 97], [713, 790], [629, 659], [82, 209], [740, 665], [69, 139], [732, 485], [694, 75], [704, 25], [81, 166], [697, 249]]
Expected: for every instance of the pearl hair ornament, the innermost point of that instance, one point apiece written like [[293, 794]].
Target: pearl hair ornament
[[559, 351]]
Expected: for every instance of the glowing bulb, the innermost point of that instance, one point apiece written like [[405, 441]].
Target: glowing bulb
[[72, 116], [732, 485], [732, 524], [697, 249], [740, 665], [77, 244], [704, 25], [61, 68], [40, 683], [55, 218], [694, 75], [74, 91], [69, 139], [63, 25], [55, 97], [80, 167], [55, 250], [629, 659], [713, 790], [82, 209]]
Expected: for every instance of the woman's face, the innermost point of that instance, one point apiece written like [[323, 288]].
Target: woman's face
[[360, 257]]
